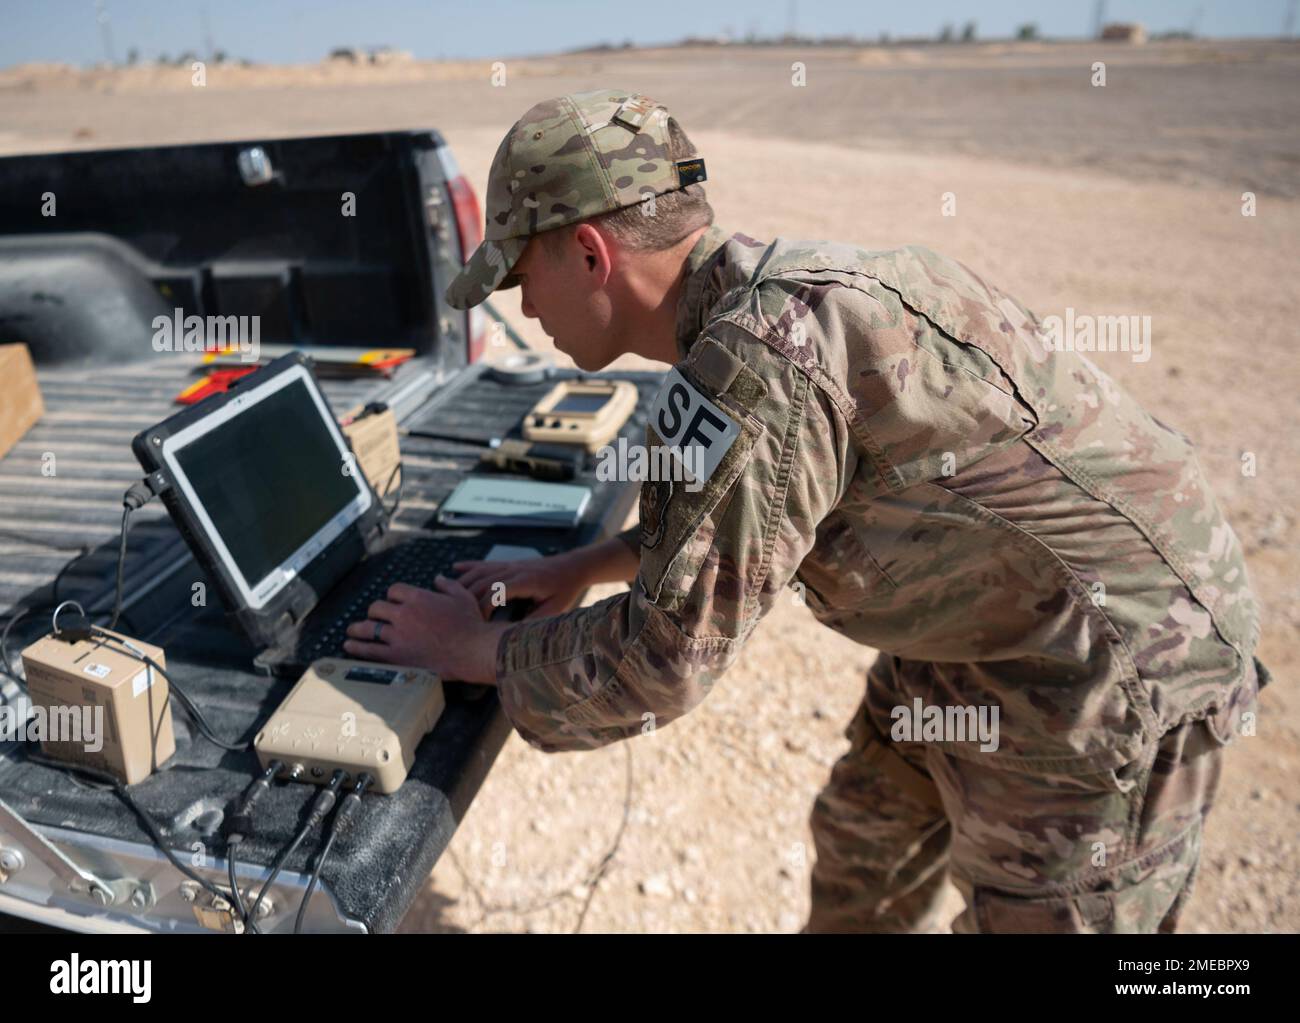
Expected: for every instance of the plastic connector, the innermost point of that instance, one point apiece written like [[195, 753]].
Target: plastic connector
[[73, 627], [237, 825], [239, 822], [141, 493]]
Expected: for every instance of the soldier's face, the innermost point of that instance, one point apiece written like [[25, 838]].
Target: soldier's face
[[569, 297]]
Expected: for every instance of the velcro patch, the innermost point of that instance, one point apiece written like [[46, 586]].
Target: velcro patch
[[696, 431], [691, 171]]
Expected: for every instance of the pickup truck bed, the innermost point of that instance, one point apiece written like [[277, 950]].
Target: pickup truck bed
[[379, 865]]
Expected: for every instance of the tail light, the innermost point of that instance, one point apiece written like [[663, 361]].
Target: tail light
[[469, 233]]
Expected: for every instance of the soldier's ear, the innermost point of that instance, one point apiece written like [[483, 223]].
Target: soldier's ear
[[597, 254]]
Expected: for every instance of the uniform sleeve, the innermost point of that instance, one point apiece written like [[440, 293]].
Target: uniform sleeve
[[930, 400], [716, 554], [632, 537]]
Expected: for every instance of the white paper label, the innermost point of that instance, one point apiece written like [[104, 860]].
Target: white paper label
[[142, 681], [98, 670]]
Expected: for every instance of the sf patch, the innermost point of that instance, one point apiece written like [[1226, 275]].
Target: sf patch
[[655, 495], [695, 430]]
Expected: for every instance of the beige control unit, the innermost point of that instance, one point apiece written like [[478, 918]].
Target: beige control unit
[[119, 705], [356, 717], [586, 412]]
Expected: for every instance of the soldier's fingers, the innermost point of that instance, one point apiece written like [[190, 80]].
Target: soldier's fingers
[[483, 572], [452, 588], [400, 593], [382, 611], [367, 651]]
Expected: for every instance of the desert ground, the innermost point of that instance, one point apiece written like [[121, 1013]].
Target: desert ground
[[1125, 199]]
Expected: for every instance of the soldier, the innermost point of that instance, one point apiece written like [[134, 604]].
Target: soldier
[[891, 434]]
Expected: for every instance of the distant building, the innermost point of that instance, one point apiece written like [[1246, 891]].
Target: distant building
[[369, 55], [1130, 32], [387, 55]]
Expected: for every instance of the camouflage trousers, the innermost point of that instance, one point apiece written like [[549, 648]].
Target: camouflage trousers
[[1115, 851]]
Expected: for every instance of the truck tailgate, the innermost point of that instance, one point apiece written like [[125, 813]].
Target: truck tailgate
[[381, 863]]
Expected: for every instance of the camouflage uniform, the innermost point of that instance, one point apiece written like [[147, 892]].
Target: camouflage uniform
[[1000, 520]]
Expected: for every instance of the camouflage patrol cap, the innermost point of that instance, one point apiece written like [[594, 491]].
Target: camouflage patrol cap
[[567, 159]]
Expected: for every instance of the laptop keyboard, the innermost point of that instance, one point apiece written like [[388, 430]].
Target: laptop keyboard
[[416, 561]]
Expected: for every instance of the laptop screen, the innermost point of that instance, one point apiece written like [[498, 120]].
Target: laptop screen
[[269, 477]]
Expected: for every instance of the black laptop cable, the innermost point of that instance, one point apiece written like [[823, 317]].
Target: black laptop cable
[[19, 612], [324, 802], [137, 496], [340, 823], [238, 827], [77, 626], [391, 511]]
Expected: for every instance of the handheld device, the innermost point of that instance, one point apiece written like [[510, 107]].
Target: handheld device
[[586, 412]]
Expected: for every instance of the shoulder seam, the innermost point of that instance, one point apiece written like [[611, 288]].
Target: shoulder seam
[[818, 377]]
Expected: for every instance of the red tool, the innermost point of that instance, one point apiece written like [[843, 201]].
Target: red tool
[[216, 382]]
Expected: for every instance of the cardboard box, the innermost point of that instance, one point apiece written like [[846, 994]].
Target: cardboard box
[[128, 700], [20, 396], [374, 442]]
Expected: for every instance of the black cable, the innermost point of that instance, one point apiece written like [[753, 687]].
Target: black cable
[[14, 619], [54, 586], [238, 826], [236, 899], [595, 876], [150, 825], [397, 500], [17, 614], [136, 496], [195, 715], [110, 783], [324, 803], [337, 826], [608, 858], [121, 567]]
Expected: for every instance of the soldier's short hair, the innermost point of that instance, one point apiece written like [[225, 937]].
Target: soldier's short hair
[[657, 223]]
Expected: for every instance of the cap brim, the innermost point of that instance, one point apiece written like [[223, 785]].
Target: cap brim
[[486, 270]]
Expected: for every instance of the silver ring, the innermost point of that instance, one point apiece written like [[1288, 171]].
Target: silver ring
[[379, 626]]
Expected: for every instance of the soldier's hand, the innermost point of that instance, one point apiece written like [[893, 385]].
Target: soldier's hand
[[443, 631], [553, 583]]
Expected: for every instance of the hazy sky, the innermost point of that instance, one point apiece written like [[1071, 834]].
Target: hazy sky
[[297, 31]]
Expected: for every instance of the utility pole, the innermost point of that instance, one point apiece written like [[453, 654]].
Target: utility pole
[[105, 30], [206, 25], [1098, 18]]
